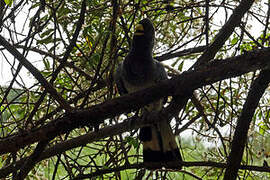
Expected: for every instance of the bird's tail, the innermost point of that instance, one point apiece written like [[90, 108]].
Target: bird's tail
[[159, 143]]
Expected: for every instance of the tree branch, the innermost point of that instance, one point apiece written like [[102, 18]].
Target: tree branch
[[240, 136], [184, 52], [64, 59], [225, 32], [184, 163], [213, 72], [32, 160], [35, 72]]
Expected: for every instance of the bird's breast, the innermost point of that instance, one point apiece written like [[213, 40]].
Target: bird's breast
[[137, 86]]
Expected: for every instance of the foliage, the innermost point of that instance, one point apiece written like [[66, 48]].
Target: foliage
[[82, 74]]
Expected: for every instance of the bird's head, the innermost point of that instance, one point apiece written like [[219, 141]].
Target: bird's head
[[144, 35], [145, 28]]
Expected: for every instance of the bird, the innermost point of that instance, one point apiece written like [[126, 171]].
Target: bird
[[138, 71]]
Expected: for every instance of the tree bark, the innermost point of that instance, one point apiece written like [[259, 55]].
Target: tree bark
[[241, 131], [177, 86]]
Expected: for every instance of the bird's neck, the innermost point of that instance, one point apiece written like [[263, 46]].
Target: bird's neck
[[141, 47], [138, 67], [141, 53]]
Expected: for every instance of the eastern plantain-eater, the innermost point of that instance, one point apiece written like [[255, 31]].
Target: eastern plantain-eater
[[138, 71]]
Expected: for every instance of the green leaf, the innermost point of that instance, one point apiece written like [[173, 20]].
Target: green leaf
[[180, 67], [46, 40], [174, 63], [132, 141], [46, 64], [94, 59], [8, 2], [46, 33], [262, 128], [234, 40]]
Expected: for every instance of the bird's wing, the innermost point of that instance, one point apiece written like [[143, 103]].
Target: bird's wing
[[118, 78], [160, 74]]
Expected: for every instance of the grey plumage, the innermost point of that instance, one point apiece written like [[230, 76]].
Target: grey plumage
[[138, 71], [137, 76]]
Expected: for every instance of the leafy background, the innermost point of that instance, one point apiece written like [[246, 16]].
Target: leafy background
[[184, 29]]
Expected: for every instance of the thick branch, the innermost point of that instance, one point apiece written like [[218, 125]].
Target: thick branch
[[225, 32], [179, 85], [77, 142], [240, 136], [32, 160]]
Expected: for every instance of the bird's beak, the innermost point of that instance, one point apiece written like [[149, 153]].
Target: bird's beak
[[139, 31]]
